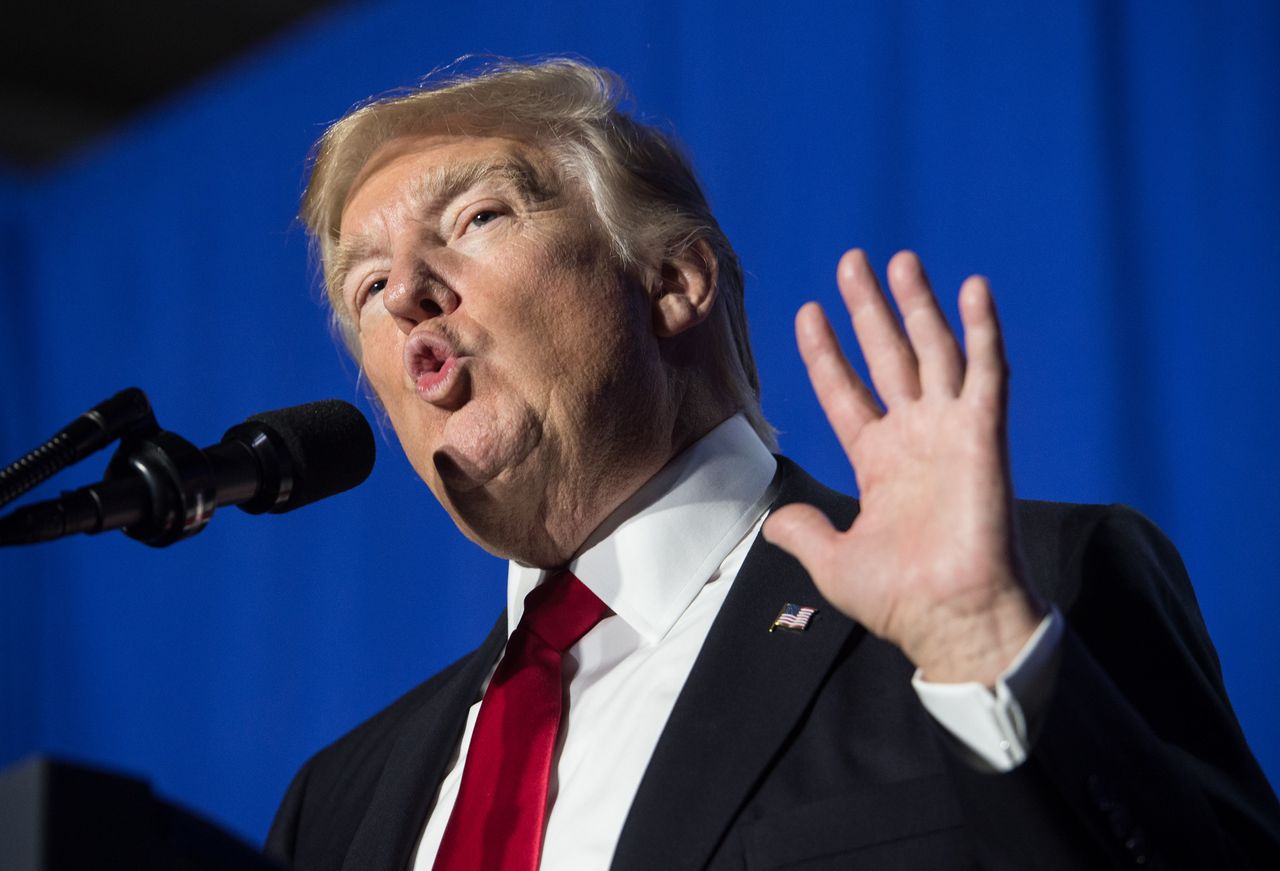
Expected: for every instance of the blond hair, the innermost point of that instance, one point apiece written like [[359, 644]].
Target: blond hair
[[641, 185]]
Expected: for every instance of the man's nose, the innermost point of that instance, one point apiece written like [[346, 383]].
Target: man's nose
[[415, 293]]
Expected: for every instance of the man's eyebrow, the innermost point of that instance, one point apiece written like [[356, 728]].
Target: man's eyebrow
[[347, 253], [444, 183], [435, 189]]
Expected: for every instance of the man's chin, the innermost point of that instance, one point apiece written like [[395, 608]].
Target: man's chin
[[483, 445], [459, 475]]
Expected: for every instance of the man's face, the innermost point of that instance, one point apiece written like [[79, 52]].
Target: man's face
[[516, 360]]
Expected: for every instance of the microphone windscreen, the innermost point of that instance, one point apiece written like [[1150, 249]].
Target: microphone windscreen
[[329, 444]]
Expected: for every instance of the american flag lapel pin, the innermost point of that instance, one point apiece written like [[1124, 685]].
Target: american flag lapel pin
[[793, 617]]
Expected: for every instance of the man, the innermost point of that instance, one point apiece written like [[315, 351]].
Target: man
[[549, 313]]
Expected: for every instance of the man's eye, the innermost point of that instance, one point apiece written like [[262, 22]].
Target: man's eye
[[374, 287], [482, 218]]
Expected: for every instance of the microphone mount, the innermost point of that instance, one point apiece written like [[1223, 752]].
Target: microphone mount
[[160, 488]]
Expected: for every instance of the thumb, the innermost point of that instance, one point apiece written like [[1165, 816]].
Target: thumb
[[804, 532]]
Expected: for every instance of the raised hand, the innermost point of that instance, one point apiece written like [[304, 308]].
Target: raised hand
[[932, 562]]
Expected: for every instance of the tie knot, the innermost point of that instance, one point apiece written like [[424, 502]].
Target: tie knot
[[561, 610]]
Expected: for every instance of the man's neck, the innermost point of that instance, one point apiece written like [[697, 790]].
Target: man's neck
[[649, 557], [569, 528]]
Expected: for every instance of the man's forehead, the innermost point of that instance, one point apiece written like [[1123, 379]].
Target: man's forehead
[[431, 166], [420, 174]]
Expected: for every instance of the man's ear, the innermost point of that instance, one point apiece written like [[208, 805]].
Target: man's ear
[[687, 291]]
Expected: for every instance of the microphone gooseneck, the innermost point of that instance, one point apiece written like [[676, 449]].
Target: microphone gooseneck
[[90, 432]]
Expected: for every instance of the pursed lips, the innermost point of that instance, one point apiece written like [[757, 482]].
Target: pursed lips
[[433, 364]]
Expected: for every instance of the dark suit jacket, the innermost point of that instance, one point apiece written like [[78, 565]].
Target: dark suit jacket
[[810, 750]]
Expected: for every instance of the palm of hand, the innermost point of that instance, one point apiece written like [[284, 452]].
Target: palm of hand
[[931, 563]]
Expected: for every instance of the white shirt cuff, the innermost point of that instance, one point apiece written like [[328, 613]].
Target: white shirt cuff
[[993, 725]]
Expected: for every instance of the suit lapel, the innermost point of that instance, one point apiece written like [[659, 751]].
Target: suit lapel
[[747, 690], [393, 823]]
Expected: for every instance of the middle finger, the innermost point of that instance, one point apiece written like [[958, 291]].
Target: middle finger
[[890, 359]]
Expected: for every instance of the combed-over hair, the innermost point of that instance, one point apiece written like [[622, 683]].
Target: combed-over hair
[[642, 186]]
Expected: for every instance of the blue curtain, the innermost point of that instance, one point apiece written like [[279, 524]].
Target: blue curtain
[[1113, 168]]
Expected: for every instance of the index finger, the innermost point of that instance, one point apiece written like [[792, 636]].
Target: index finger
[[845, 400]]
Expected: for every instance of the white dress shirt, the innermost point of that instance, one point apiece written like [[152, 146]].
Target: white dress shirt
[[663, 563]]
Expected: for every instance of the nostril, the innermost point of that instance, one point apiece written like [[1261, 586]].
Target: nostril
[[416, 293]]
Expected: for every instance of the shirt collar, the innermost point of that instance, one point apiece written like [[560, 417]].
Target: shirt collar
[[649, 559]]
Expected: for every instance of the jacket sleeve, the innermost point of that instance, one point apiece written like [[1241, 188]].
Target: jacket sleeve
[[1138, 760]]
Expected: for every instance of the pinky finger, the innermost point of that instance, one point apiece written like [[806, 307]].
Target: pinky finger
[[987, 373]]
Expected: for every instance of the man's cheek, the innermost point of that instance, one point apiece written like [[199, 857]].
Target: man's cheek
[[383, 363]]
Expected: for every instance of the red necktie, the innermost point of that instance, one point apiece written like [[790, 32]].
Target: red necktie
[[497, 821]]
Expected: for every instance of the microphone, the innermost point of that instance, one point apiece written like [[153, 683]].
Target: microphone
[[161, 488], [95, 429]]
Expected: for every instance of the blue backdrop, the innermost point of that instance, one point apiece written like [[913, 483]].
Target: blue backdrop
[[1112, 167]]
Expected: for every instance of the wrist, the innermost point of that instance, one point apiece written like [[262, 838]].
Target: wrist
[[977, 646]]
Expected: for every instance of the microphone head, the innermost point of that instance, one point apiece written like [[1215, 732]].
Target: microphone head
[[321, 449]]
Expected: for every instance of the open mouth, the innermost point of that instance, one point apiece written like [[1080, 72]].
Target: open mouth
[[433, 364]]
